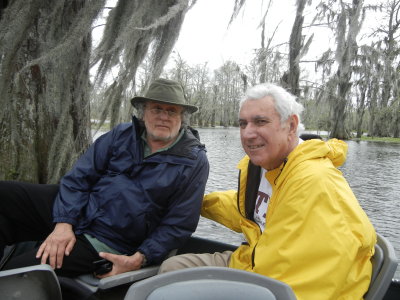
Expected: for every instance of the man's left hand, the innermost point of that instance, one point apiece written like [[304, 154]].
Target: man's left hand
[[122, 263], [59, 243]]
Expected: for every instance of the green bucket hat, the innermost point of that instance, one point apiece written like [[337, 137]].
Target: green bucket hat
[[165, 91]]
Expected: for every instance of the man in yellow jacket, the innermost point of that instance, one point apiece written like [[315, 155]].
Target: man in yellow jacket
[[302, 222]]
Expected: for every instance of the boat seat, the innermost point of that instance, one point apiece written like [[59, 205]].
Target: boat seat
[[210, 283], [384, 265], [35, 283], [93, 283], [87, 284]]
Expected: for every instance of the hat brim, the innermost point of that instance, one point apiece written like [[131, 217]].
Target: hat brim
[[135, 100]]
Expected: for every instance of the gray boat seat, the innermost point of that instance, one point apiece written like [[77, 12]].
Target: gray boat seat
[[384, 265], [33, 283], [93, 284], [210, 283]]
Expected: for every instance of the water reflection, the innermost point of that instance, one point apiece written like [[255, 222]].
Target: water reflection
[[224, 151], [372, 170]]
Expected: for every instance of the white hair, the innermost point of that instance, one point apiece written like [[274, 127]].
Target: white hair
[[285, 103]]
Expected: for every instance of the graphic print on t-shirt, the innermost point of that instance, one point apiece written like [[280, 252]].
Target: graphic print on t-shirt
[[260, 211], [263, 195]]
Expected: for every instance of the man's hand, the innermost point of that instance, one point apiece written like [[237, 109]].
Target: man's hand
[[59, 243], [122, 263]]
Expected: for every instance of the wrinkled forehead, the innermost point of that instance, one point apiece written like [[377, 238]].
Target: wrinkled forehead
[[252, 108]]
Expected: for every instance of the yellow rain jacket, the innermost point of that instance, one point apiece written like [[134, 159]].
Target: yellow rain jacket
[[317, 238]]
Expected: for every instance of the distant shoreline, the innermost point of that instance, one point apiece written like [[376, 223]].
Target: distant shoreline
[[377, 139], [322, 133]]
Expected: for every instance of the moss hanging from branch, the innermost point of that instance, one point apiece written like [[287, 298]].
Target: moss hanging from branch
[[131, 36], [44, 87], [45, 57]]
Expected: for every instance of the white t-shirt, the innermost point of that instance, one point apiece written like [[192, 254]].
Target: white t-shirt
[[263, 196]]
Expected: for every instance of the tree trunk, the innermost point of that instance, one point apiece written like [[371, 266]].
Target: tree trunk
[[396, 115], [338, 129], [360, 112], [372, 107], [295, 45], [396, 124], [45, 121], [390, 55], [345, 52], [44, 74]]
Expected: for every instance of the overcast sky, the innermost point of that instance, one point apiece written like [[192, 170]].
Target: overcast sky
[[206, 37]]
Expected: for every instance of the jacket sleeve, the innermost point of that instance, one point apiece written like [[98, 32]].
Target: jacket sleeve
[[75, 186], [316, 234], [222, 207], [182, 214]]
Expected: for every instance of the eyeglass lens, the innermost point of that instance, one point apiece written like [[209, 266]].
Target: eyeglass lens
[[158, 111]]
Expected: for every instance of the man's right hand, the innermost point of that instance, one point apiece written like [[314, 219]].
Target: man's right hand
[[59, 243]]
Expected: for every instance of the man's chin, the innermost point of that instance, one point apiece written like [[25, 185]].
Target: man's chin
[[257, 161], [162, 137]]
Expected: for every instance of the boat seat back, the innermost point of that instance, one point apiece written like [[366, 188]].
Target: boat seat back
[[210, 289], [34, 283], [208, 283], [384, 265], [377, 262]]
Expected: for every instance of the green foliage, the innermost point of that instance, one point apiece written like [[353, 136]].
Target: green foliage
[[380, 139], [12, 175]]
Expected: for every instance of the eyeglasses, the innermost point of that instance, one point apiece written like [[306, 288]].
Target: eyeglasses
[[158, 111]]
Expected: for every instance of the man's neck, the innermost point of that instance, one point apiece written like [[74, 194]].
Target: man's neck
[[156, 145], [294, 142], [290, 147]]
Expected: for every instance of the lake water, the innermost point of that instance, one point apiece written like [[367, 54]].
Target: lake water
[[372, 170]]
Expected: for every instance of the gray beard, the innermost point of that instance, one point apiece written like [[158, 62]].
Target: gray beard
[[161, 139]]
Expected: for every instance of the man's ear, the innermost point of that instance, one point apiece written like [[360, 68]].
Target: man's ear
[[293, 123]]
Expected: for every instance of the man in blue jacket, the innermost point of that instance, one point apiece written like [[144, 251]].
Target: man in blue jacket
[[131, 198]]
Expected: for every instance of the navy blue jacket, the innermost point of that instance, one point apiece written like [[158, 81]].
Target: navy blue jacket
[[151, 205]]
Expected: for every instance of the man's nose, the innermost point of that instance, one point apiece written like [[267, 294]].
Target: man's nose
[[249, 131], [164, 114]]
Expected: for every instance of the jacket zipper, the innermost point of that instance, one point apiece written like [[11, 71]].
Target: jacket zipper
[[253, 253], [238, 196]]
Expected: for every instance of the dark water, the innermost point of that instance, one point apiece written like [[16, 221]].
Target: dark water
[[372, 170]]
